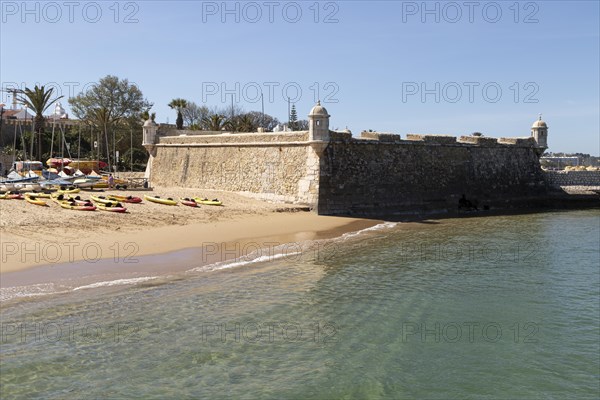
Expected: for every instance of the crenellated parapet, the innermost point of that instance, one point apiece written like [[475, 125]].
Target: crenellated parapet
[[432, 139], [380, 136], [518, 141]]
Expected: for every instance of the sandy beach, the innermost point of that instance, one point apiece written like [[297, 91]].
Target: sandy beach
[[33, 236]]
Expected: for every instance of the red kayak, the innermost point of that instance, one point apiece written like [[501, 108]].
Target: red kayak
[[58, 162], [125, 199], [188, 202]]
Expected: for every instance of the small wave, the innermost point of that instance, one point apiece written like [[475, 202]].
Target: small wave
[[251, 258], [41, 289], [378, 227], [116, 282]]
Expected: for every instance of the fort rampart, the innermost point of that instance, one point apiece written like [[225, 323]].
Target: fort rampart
[[376, 173]]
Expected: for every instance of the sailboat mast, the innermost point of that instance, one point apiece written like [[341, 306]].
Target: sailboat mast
[[52, 141], [14, 147], [79, 145], [62, 149]]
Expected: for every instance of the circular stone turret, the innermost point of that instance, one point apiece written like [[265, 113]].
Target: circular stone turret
[[318, 123], [149, 122], [539, 132], [319, 110]]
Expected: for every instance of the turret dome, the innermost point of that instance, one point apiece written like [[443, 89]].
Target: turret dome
[[539, 123], [319, 110], [149, 122]]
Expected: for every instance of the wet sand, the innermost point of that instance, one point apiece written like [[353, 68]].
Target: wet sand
[[41, 244]]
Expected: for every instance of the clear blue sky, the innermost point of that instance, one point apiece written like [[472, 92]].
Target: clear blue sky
[[402, 67]]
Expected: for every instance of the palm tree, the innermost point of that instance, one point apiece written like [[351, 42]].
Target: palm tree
[[38, 100], [178, 104], [146, 116], [245, 123], [214, 122]]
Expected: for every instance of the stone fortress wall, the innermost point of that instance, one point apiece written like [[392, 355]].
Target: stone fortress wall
[[335, 173], [386, 174], [267, 166], [557, 179]]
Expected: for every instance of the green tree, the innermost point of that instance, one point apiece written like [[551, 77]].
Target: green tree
[[266, 121], [246, 123], [38, 100], [113, 107], [179, 105], [215, 122], [293, 125], [145, 115]]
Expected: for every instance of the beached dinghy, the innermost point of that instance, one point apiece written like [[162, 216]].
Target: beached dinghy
[[188, 202], [17, 182], [125, 199], [159, 200], [84, 182], [207, 202]]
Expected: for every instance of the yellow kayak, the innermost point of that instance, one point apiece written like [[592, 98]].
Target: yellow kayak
[[207, 202], [35, 195], [75, 206], [37, 202], [114, 207], [159, 200], [69, 191], [103, 200]]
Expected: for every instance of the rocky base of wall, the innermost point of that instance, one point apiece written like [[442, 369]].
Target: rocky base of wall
[[552, 201], [572, 178]]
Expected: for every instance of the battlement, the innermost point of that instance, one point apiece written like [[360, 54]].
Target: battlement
[[518, 141], [479, 140], [431, 139], [380, 136]]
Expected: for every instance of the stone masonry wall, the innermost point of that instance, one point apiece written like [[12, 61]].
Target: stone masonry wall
[[378, 173], [572, 178], [269, 170], [365, 177]]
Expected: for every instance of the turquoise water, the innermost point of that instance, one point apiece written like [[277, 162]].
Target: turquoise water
[[495, 308]]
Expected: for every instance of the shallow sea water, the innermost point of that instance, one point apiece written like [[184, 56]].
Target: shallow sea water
[[504, 307]]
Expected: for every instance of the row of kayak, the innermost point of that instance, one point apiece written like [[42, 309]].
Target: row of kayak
[[66, 200], [191, 202]]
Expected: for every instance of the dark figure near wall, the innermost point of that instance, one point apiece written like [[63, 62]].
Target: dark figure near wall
[[468, 205]]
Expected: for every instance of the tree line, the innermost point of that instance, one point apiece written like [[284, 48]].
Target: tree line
[[111, 115], [233, 118]]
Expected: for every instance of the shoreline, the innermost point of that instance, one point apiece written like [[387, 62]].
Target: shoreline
[[41, 244], [153, 251]]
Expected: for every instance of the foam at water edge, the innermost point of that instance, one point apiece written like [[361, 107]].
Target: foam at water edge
[[116, 282], [241, 261], [40, 289], [378, 227]]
